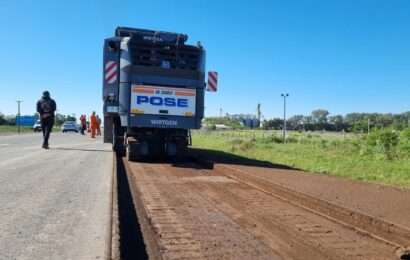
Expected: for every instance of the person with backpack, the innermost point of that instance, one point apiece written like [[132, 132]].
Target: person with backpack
[[46, 107]]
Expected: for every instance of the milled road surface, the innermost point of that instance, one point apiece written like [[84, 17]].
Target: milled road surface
[[54, 204], [241, 211]]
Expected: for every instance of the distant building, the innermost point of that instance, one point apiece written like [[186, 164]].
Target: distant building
[[247, 120]]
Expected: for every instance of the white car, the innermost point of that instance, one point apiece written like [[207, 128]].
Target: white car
[[37, 126], [69, 126]]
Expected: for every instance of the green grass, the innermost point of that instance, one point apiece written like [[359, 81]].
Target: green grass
[[11, 129], [331, 154]]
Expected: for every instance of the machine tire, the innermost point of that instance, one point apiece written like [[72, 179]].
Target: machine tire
[[107, 130], [132, 153], [117, 142], [182, 151], [114, 143]]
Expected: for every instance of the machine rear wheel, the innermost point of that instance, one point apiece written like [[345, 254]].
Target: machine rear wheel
[[132, 150], [118, 141]]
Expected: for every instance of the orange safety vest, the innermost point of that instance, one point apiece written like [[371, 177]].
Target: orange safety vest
[[93, 121]]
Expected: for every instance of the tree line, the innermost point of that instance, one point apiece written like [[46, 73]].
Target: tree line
[[320, 119]]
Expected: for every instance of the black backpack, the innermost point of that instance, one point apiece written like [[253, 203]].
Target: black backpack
[[47, 106]]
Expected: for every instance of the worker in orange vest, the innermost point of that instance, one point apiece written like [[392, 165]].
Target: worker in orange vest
[[93, 124]]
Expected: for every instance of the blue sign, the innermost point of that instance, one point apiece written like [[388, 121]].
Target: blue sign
[[25, 120]]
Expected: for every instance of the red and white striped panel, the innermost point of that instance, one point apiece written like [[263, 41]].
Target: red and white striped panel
[[111, 72], [212, 81]]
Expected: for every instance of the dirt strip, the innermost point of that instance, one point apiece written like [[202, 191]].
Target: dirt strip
[[395, 234], [195, 213], [385, 202]]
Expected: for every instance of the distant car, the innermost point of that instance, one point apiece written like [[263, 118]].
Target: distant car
[[37, 126], [69, 126]]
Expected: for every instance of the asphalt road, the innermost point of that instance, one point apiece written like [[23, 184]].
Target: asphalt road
[[54, 204]]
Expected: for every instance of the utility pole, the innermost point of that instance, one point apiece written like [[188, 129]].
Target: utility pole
[[368, 126], [259, 113], [18, 115], [284, 95]]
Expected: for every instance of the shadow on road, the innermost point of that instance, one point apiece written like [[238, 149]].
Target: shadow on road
[[208, 157], [131, 240], [205, 159], [230, 158], [80, 149]]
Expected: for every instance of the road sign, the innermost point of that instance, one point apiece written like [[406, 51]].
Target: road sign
[[25, 120]]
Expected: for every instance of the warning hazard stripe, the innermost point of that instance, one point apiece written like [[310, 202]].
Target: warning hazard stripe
[[212, 81], [111, 77], [111, 72], [109, 65], [213, 76]]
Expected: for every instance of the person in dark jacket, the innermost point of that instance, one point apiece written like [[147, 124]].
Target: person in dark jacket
[[83, 121], [46, 107]]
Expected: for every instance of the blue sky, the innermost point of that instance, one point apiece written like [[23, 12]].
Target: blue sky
[[344, 56]]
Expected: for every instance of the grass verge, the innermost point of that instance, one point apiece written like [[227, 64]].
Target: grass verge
[[12, 129], [324, 154]]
